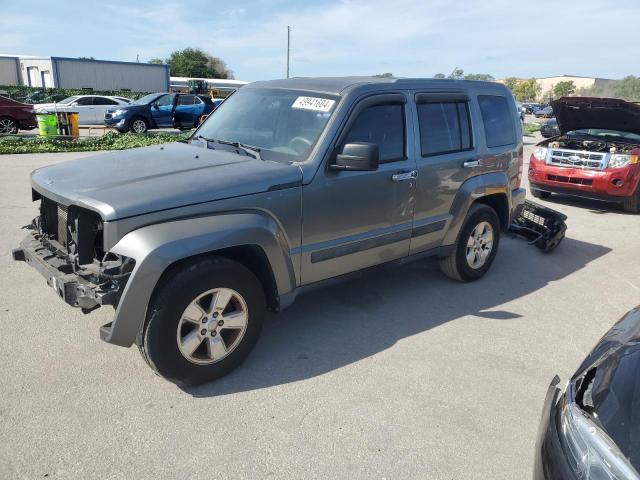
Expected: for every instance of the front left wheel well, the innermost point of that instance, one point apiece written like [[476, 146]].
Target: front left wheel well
[[251, 256]]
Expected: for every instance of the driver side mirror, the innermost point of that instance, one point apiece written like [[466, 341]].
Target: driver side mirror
[[155, 106], [357, 156]]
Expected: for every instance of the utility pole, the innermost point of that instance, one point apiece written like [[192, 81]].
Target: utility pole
[[288, 47]]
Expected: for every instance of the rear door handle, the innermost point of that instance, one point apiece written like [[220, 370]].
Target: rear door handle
[[471, 164], [400, 177]]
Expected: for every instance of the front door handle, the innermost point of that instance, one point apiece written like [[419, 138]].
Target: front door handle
[[471, 164], [400, 177]]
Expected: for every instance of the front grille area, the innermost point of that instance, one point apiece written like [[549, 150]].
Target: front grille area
[[577, 159], [73, 230], [529, 215], [574, 180]]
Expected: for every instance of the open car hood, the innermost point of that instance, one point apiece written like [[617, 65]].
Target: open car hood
[[575, 113]]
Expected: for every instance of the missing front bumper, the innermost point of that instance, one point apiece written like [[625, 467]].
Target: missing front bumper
[[76, 289], [543, 227]]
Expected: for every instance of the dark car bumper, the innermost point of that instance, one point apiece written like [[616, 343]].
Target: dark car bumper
[[609, 184], [116, 122], [28, 123], [550, 462]]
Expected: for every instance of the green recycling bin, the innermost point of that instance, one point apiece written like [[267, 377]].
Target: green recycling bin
[[47, 124]]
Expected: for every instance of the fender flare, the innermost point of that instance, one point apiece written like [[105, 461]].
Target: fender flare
[[156, 247], [471, 190]]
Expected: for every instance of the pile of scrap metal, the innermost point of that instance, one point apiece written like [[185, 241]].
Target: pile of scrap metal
[[542, 226]]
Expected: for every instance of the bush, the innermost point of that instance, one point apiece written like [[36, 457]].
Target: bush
[[530, 128], [25, 94], [108, 141]]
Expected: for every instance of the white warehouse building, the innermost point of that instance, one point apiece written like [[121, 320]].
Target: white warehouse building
[[62, 72]]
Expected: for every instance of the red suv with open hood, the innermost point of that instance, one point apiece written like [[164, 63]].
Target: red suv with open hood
[[596, 154]]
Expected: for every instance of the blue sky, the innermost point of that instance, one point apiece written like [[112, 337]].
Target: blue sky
[[341, 37]]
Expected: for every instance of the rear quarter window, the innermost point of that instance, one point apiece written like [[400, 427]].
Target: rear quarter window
[[497, 117]]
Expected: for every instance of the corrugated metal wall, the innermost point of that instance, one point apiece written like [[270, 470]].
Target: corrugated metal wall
[[9, 71], [102, 75]]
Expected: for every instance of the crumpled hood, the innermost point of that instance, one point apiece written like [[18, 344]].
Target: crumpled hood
[[126, 183], [574, 113], [615, 391]]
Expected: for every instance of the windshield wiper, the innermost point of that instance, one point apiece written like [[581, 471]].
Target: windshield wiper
[[202, 139], [248, 149]]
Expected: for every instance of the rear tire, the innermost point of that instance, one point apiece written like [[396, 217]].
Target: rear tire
[[8, 126], [138, 125], [632, 204], [540, 193], [187, 350], [473, 256]]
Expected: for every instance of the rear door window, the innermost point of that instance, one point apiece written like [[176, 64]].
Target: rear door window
[[384, 126], [186, 99], [444, 128], [104, 101], [497, 117]]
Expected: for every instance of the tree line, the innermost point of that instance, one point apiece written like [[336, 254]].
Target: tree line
[[195, 63]]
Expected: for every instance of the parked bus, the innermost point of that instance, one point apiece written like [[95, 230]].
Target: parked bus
[[215, 87]]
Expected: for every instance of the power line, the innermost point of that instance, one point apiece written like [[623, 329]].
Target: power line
[[288, 47]]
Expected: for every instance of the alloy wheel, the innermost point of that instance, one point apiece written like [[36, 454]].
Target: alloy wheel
[[212, 326], [479, 245], [138, 126], [8, 125]]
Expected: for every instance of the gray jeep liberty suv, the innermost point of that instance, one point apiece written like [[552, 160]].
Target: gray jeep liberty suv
[[288, 183]]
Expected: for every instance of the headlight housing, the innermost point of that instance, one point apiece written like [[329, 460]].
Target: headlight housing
[[590, 452], [619, 160], [117, 113], [540, 153]]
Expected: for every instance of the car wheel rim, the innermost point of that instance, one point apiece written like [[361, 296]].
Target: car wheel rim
[[7, 126], [212, 326], [139, 126], [479, 245]]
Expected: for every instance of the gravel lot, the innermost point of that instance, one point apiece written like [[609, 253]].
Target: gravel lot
[[398, 374]]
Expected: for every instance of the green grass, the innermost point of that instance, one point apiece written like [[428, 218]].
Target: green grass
[[530, 128], [108, 141]]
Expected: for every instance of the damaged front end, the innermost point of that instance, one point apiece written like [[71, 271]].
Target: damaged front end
[[543, 227], [65, 245]]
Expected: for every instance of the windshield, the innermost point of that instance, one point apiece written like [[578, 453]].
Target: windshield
[[146, 99], [601, 132], [283, 124], [69, 100]]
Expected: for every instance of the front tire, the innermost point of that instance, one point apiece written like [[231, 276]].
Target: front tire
[[476, 247], [138, 125], [632, 204], [203, 321]]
